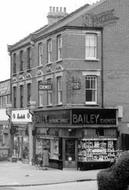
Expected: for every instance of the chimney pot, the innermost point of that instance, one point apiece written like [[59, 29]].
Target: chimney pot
[[57, 9], [64, 9], [60, 9], [53, 9], [50, 9]]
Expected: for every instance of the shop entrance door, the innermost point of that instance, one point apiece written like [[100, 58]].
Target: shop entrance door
[[70, 153]]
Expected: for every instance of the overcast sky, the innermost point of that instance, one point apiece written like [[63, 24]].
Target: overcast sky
[[18, 18]]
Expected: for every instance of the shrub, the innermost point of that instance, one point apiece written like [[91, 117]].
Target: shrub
[[117, 176]]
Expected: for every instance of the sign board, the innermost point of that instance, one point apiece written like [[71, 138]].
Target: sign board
[[100, 19], [94, 116], [45, 86], [52, 117], [76, 85], [21, 116]]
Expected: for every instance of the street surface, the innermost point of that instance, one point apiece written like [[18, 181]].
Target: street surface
[[20, 176], [89, 185]]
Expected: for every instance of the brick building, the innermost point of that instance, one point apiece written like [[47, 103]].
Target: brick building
[[75, 72], [4, 119]]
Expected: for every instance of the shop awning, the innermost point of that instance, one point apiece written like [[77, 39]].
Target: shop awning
[[3, 116]]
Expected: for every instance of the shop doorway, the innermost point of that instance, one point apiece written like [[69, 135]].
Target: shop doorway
[[70, 153]]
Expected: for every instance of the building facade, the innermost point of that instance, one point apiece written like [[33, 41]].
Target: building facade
[[4, 119], [74, 72]]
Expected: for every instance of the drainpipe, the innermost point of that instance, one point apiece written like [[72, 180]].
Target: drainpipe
[[102, 69]]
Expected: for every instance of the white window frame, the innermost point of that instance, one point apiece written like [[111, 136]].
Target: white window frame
[[49, 51], [49, 94], [40, 96], [59, 90], [91, 47], [59, 47], [40, 53], [94, 89]]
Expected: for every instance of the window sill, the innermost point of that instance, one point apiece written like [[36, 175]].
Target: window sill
[[21, 72], [47, 64], [14, 74], [39, 66], [92, 59], [91, 104], [59, 60], [49, 105], [61, 104]]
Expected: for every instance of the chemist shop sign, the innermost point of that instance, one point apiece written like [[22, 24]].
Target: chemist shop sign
[[21, 116], [94, 116]]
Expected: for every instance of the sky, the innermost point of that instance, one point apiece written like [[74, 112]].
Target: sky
[[18, 18]]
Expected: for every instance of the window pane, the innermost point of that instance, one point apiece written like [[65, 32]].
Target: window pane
[[91, 89], [91, 45]]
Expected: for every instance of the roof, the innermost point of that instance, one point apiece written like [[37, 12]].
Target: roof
[[62, 22]]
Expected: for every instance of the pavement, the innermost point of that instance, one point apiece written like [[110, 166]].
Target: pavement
[[14, 174]]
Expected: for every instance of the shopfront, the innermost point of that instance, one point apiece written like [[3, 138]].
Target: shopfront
[[77, 138], [20, 123], [4, 135]]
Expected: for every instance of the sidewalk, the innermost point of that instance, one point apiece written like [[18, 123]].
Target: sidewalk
[[20, 174]]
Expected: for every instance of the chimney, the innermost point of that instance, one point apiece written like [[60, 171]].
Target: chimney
[[55, 14]]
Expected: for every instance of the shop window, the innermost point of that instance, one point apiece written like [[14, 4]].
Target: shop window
[[59, 90], [49, 51], [91, 46], [40, 54], [59, 47], [91, 89], [54, 149], [100, 131]]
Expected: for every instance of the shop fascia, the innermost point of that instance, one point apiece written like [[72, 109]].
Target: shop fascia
[[77, 117]]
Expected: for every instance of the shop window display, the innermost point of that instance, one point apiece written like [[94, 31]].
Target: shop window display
[[97, 150], [54, 149]]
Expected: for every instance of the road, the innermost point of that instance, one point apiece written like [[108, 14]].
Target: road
[[87, 185]]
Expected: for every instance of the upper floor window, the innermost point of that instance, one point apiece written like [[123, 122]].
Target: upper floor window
[[59, 90], [40, 54], [40, 95], [21, 96], [49, 93], [49, 51], [14, 63], [59, 47], [91, 46], [28, 93], [91, 89], [14, 96], [21, 60], [28, 57]]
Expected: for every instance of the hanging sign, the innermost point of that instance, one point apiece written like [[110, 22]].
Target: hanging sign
[[21, 116]]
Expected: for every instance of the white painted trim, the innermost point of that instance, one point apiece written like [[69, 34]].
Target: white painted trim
[[28, 81], [59, 74], [96, 73], [14, 85], [39, 79], [21, 83], [48, 77]]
